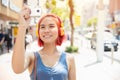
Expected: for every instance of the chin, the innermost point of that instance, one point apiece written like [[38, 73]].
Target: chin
[[49, 42]]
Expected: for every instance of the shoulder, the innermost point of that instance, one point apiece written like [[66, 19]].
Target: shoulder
[[30, 58], [70, 59], [70, 56], [30, 55], [71, 66]]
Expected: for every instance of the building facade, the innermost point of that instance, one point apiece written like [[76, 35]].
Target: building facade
[[9, 10], [114, 10]]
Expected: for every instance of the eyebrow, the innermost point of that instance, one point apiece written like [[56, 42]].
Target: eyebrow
[[44, 24]]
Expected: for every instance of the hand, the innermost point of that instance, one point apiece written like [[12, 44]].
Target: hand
[[24, 17]]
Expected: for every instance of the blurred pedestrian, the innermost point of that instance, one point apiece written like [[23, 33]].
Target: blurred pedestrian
[[2, 38], [49, 63], [118, 36], [28, 38], [8, 41]]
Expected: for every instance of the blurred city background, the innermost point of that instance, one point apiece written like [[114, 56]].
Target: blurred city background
[[92, 31]]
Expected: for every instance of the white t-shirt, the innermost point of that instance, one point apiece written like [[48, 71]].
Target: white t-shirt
[[29, 38]]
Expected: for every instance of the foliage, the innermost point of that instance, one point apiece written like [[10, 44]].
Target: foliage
[[47, 4], [92, 21], [50, 4], [53, 2], [71, 49], [60, 11]]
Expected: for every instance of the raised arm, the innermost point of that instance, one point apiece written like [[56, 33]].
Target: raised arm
[[19, 60]]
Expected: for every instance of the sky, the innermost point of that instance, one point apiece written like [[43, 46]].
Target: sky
[[80, 3]]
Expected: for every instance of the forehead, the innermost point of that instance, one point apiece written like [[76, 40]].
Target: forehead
[[49, 20]]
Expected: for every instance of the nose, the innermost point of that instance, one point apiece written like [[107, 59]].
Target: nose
[[47, 29]]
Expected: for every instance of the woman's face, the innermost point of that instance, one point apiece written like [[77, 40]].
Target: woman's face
[[48, 30]]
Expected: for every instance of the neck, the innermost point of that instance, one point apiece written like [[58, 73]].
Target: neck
[[49, 49]]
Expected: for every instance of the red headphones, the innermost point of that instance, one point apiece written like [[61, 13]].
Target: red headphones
[[61, 27]]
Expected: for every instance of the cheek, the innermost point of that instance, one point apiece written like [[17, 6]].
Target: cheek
[[40, 33], [56, 32]]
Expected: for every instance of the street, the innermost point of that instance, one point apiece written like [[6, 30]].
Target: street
[[87, 67], [80, 21]]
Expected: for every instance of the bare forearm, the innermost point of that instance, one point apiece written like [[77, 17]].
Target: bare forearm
[[18, 58]]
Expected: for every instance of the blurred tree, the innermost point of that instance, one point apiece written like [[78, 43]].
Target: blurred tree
[[71, 6], [60, 11], [92, 22], [50, 4]]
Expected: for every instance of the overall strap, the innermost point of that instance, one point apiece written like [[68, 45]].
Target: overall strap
[[35, 66]]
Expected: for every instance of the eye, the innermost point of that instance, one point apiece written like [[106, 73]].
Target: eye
[[52, 26], [42, 26]]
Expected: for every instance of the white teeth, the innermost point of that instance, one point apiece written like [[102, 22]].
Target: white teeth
[[46, 36]]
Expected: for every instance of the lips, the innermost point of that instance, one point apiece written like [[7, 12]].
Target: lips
[[46, 36]]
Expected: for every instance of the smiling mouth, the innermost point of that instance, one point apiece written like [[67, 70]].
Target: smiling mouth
[[47, 36]]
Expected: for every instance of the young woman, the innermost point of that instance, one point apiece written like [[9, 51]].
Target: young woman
[[51, 63]]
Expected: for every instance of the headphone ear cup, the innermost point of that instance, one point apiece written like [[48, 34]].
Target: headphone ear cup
[[62, 32]]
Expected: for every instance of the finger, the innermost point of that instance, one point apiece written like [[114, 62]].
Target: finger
[[28, 20], [25, 13], [26, 8]]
